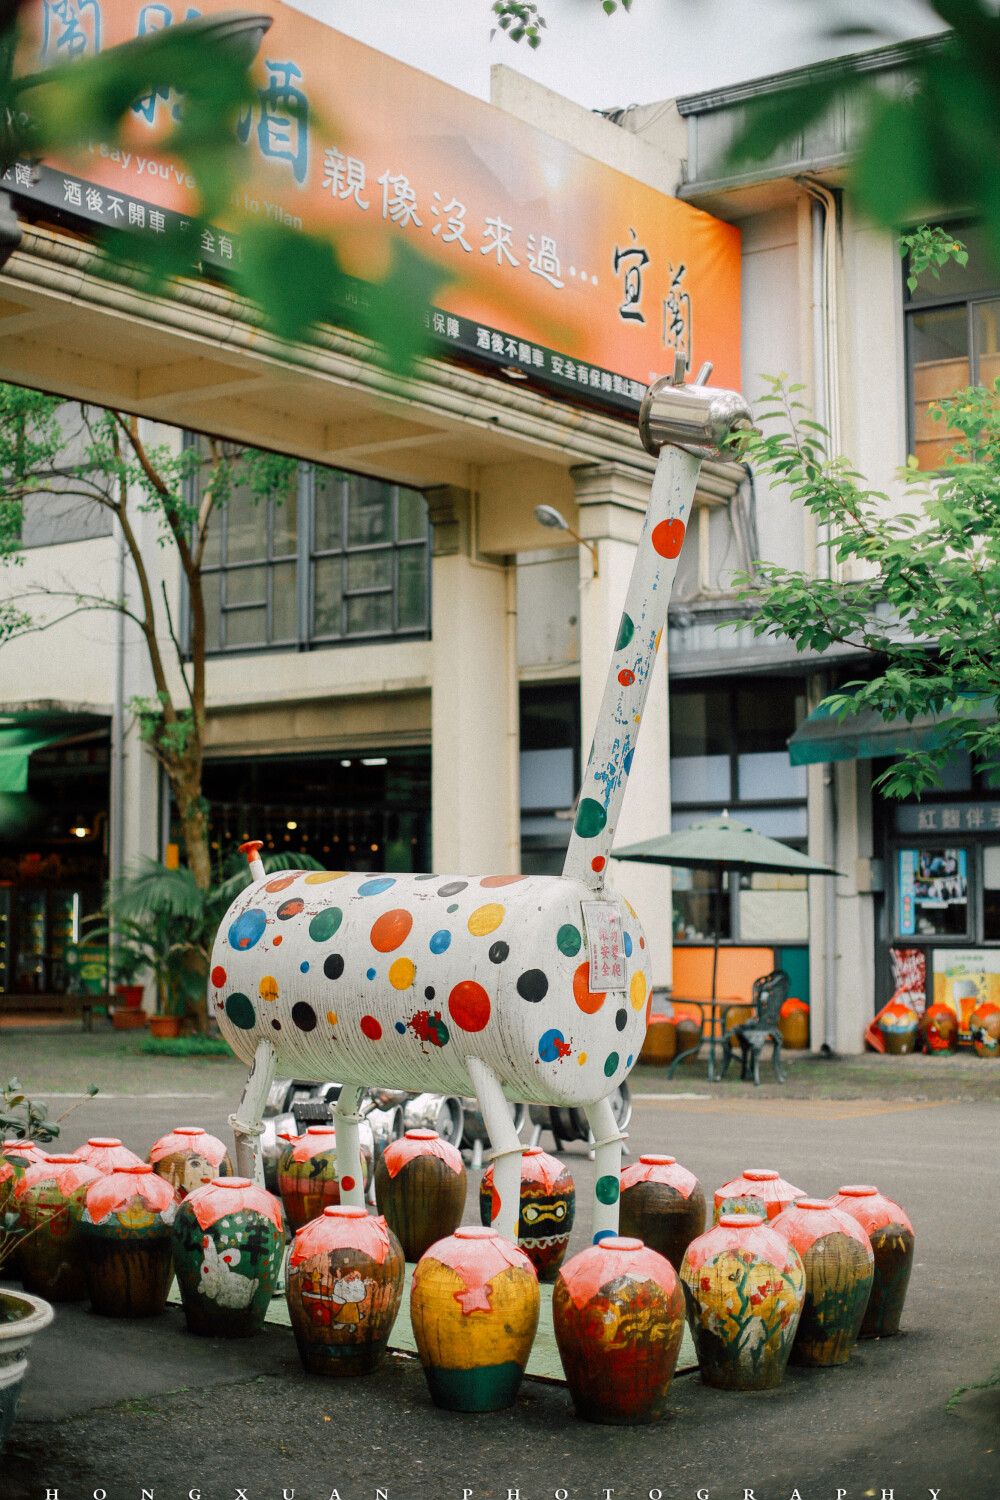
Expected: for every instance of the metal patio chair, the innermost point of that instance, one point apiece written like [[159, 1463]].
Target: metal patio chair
[[769, 994]]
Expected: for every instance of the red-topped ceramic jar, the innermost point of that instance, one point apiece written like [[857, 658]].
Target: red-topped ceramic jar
[[757, 1190], [839, 1265], [15, 1158], [345, 1284], [107, 1154], [898, 1024], [49, 1202], [420, 1188], [227, 1243], [984, 1024], [662, 1204], [891, 1236], [189, 1158], [548, 1207], [474, 1305], [938, 1029], [307, 1174], [618, 1312], [125, 1234], [744, 1286]]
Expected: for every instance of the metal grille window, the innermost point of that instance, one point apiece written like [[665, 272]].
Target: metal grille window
[[250, 572]]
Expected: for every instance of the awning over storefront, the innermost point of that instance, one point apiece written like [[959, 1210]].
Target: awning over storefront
[[26, 728], [866, 735]]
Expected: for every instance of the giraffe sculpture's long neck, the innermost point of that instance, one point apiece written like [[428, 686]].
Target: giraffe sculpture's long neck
[[631, 669]]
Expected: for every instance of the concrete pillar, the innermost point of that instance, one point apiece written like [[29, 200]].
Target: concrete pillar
[[474, 714], [612, 503]]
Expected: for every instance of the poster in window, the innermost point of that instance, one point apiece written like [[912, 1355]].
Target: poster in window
[[909, 976], [933, 892], [966, 978]]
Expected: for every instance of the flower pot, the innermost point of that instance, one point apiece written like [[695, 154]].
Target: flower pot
[[662, 1204], [125, 1235], [839, 1266], [106, 1154], [49, 1200], [227, 1243], [128, 1020], [758, 1190], [474, 1305], [130, 995], [21, 1317], [188, 1158], [165, 1026], [548, 1206], [307, 1175], [420, 1188], [345, 1284], [891, 1235], [744, 1287], [618, 1312]]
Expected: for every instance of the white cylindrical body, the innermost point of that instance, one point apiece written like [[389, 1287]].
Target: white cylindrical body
[[397, 979]]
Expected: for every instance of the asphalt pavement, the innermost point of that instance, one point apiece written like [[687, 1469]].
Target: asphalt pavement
[[130, 1407]]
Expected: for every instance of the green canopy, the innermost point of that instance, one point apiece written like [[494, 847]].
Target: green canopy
[[26, 728], [866, 735], [722, 842]]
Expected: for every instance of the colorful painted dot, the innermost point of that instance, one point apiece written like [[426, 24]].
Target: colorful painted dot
[[453, 887], [626, 631], [429, 992], [281, 884], [402, 973], [551, 1046], [391, 929], [276, 942], [628, 1061], [499, 952], [289, 909], [607, 1189], [440, 941], [348, 1184], [218, 976], [597, 863], [625, 677], [493, 882], [486, 919], [247, 930], [453, 907], [611, 1064], [628, 944], [333, 966], [331, 1016], [589, 1001], [582, 1058], [239, 1009], [276, 1025], [325, 923], [533, 985], [637, 990], [425, 877], [323, 877], [668, 538], [604, 1234], [568, 940], [400, 1028], [370, 973], [376, 887], [268, 988], [304, 966], [371, 1028], [469, 1005], [642, 942], [621, 1019], [304, 1016], [590, 818]]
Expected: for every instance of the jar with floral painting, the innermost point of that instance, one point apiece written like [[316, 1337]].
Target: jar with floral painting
[[344, 1287]]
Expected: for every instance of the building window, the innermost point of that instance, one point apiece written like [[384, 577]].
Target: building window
[[336, 557], [952, 340]]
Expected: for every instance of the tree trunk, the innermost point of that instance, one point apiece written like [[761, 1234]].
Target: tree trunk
[[194, 822]]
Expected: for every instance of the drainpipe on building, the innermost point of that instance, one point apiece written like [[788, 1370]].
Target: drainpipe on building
[[116, 841]]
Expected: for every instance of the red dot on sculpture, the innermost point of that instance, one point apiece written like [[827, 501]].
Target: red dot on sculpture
[[494, 1205], [348, 1184], [391, 929], [598, 862], [625, 677], [469, 1005], [668, 538], [218, 976], [589, 1001], [371, 1028]]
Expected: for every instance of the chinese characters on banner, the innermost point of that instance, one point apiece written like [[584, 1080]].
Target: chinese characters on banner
[[605, 944]]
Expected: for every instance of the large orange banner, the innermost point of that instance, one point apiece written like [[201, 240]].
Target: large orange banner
[[557, 265]]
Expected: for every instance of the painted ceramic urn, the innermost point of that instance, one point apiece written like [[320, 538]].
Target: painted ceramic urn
[[758, 1190], [548, 1206], [939, 1028], [984, 1024], [15, 1159], [891, 1236], [344, 1287], [420, 1188], [898, 1024], [793, 1023], [49, 1201], [744, 1286], [618, 1312], [474, 1305], [662, 1204], [307, 1175], [188, 1158], [106, 1153], [125, 1234], [227, 1243], [839, 1265]]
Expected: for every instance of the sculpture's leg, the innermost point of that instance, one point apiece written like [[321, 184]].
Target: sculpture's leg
[[346, 1119], [506, 1143], [607, 1168], [246, 1122]]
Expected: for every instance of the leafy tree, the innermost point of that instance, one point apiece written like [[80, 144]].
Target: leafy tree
[[918, 591], [98, 457], [522, 22]]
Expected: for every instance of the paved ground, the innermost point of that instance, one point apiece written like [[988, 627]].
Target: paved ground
[[123, 1407]]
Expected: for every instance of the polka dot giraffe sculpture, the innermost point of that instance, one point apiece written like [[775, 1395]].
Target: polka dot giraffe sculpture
[[509, 987]]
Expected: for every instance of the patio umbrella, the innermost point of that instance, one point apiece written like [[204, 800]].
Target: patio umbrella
[[722, 844]]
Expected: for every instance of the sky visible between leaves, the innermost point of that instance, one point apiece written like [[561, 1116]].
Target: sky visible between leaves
[[662, 49]]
